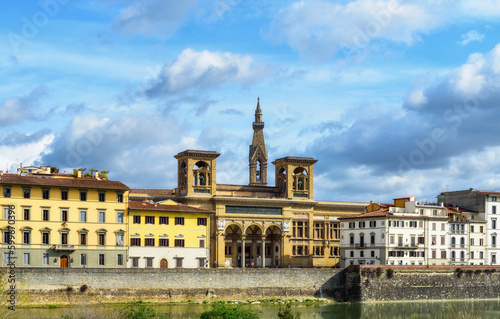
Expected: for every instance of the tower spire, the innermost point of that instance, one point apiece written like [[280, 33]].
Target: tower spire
[[258, 152]]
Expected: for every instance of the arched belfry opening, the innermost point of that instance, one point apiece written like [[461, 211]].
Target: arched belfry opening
[[197, 172], [257, 157]]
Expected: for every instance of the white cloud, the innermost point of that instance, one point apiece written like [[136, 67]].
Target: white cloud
[[471, 36], [17, 109]]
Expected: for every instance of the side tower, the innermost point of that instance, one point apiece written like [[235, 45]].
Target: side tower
[[257, 157], [196, 172], [294, 177]]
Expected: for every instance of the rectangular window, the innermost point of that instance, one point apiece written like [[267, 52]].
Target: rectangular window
[[119, 239], [471, 255], [361, 224], [102, 217], [26, 258], [45, 194], [120, 259], [163, 220], [202, 221], [372, 239], [6, 192], [26, 215], [443, 254], [480, 242], [149, 262], [493, 209], [472, 241], [481, 229], [433, 240], [119, 217], [45, 238], [6, 258], [471, 229], [119, 198], [83, 238], [64, 195], [149, 242], [26, 237], [373, 223], [179, 220], [136, 219], [102, 239], [433, 226], [64, 238], [178, 263], [202, 243], [481, 255], [494, 224], [443, 240], [150, 220], [64, 215], [300, 229], [102, 197], [83, 196], [26, 193], [6, 237], [135, 241], [391, 239], [493, 198], [5, 213], [45, 215], [163, 242], [83, 216], [434, 254], [493, 241], [101, 259], [179, 243], [45, 259], [201, 262], [135, 262]]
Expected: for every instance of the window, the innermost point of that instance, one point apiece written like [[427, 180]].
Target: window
[[201, 262], [64, 215], [101, 259], [494, 224], [119, 217], [119, 239], [26, 215], [443, 240], [6, 213], [435, 212], [434, 254], [83, 238], [149, 242], [334, 231], [6, 258], [45, 193], [373, 223], [433, 226], [102, 239], [6, 192], [318, 230], [481, 229], [202, 243], [45, 238], [119, 198], [83, 196], [443, 254], [64, 238], [493, 198], [472, 241], [178, 263], [480, 255], [179, 243], [163, 220], [372, 239], [45, 259], [361, 224], [45, 215], [421, 240], [391, 239], [352, 225], [135, 262], [300, 229], [351, 240], [120, 259], [163, 242], [26, 193], [443, 226], [102, 217], [471, 255], [202, 221], [352, 253], [136, 219], [83, 216], [102, 197], [6, 237], [135, 241], [493, 241], [26, 258], [480, 242], [26, 237], [493, 209], [149, 262], [471, 228], [179, 220], [150, 220], [64, 195]]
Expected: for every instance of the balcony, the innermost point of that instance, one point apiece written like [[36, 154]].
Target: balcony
[[361, 245], [63, 247]]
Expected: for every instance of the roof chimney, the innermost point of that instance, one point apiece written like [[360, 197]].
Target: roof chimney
[[48, 169], [96, 174], [79, 173]]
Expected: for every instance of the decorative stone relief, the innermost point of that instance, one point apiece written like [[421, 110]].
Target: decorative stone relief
[[221, 223], [285, 225]]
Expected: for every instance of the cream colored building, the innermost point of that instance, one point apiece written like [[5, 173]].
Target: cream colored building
[[258, 225]]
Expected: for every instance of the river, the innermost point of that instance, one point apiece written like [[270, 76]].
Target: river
[[485, 309]]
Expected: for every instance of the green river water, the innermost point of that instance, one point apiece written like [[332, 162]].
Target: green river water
[[423, 309]]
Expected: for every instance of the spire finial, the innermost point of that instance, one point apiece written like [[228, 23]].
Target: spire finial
[[258, 110]]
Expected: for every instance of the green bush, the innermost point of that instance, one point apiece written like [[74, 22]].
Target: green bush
[[285, 312], [221, 310], [138, 310]]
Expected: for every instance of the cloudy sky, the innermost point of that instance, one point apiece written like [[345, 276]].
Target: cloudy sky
[[393, 98]]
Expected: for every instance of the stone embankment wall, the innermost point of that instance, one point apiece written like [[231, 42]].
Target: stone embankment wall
[[66, 286], [386, 283]]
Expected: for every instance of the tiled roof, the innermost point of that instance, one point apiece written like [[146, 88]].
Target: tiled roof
[[404, 197], [489, 192], [160, 192], [14, 179], [376, 213], [136, 205]]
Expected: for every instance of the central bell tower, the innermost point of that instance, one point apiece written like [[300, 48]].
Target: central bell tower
[[258, 152]]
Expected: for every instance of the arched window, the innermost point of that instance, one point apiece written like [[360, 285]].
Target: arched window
[[258, 173], [462, 241], [183, 174], [201, 174], [453, 240], [300, 179]]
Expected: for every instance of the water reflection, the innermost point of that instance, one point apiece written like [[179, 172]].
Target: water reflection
[[426, 310]]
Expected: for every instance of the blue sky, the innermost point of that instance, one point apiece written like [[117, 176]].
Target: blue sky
[[393, 98]]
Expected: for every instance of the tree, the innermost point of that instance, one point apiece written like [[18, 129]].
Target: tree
[[221, 310], [285, 312]]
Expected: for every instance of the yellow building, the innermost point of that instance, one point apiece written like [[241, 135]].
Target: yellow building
[[168, 235], [62, 220], [257, 225]]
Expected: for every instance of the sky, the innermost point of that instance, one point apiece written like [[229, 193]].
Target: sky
[[393, 98]]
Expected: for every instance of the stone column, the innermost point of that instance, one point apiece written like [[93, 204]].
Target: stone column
[[234, 253], [263, 251], [243, 251]]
